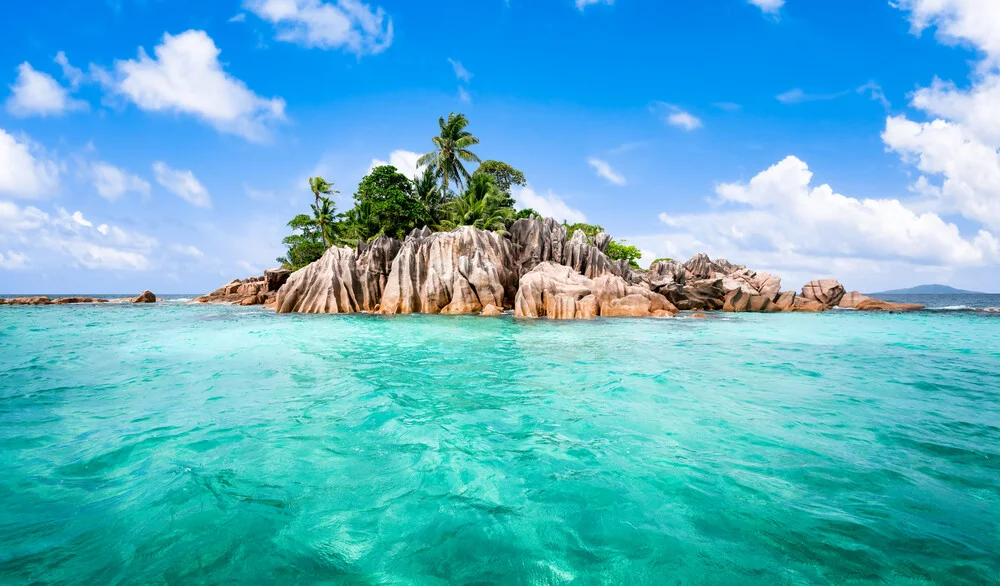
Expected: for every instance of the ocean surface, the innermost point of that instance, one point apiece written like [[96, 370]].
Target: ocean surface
[[183, 444]]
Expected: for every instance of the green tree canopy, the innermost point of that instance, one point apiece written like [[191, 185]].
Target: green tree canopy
[[481, 206], [430, 195], [504, 176], [320, 187], [451, 148], [304, 246], [385, 206]]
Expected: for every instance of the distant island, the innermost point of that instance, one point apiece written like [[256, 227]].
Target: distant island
[[929, 290]]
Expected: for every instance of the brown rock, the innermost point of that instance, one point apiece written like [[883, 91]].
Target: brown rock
[[558, 292], [700, 266], [703, 295], [145, 297], [491, 311], [699, 316], [275, 278], [537, 241], [871, 304], [762, 304], [737, 301], [70, 300], [785, 300], [451, 272], [38, 300], [802, 304], [827, 292], [852, 299]]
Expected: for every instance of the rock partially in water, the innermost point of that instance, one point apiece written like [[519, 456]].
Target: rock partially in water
[[74, 300], [145, 297], [250, 291], [871, 304], [558, 292], [786, 300], [826, 292], [36, 300], [852, 299], [491, 311], [455, 272], [801, 304]]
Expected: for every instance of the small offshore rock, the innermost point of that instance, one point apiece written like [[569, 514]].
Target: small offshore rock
[[491, 311], [145, 297], [871, 304], [827, 292]]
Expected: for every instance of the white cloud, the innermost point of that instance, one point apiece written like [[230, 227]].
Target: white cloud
[[240, 17], [780, 221], [675, 116], [875, 92], [35, 93], [603, 169], [768, 6], [187, 250], [797, 96], [461, 72], [463, 94], [183, 184], [74, 76], [347, 24], [956, 150], [186, 77], [112, 183], [549, 205], [70, 239], [973, 21], [404, 161], [22, 173], [12, 260], [582, 4]]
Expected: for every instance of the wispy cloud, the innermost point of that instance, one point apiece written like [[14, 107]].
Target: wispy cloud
[[874, 91], [461, 72], [772, 7], [728, 106], [581, 5], [603, 169], [798, 96], [675, 116]]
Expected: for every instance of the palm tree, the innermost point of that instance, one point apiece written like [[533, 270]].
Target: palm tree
[[323, 219], [451, 147], [318, 185], [480, 207], [427, 192]]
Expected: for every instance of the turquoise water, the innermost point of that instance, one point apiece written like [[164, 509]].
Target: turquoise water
[[189, 444]]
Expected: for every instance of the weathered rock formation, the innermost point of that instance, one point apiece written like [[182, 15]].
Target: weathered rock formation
[[537, 241], [252, 291], [74, 300], [827, 292], [343, 280], [145, 297], [871, 304], [37, 300], [559, 292], [456, 272]]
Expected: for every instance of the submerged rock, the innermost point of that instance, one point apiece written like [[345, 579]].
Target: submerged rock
[[36, 300], [74, 300], [455, 272], [558, 292]]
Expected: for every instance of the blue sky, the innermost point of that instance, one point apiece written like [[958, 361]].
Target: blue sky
[[163, 145]]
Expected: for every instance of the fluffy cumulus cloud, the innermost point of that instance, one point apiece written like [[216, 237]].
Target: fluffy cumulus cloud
[[350, 25], [183, 184], [25, 171], [548, 205], [112, 183], [67, 239], [675, 116], [186, 77], [404, 161], [781, 221], [955, 148], [36, 93], [603, 169]]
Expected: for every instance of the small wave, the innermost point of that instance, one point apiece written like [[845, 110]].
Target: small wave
[[953, 308]]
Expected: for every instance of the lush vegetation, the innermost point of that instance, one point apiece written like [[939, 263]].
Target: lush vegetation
[[616, 250], [445, 195]]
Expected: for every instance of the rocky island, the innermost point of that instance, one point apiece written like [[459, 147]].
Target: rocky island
[[534, 269]]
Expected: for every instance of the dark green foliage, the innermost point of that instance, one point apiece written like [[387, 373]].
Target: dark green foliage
[[480, 206], [384, 206], [660, 260], [504, 176], [527, 213], [617, 249], [431, 196], [451, 148], [305, 246]]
